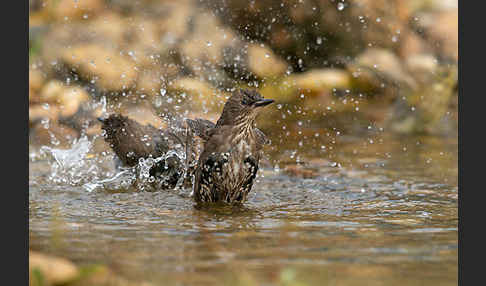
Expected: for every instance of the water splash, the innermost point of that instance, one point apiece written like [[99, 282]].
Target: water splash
[[71, 166], [120, 181], [81, 166], [147, 181]]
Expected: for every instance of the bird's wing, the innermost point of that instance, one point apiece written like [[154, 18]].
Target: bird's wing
[[200, 127], [261, 137], [125, 138], [197, 133]]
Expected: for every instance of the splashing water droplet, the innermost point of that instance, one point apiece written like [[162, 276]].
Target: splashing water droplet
[[71, 166], [158, 101]]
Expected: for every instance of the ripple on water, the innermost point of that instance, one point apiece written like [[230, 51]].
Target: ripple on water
[[345, 216]]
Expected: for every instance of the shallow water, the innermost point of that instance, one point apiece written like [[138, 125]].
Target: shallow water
[[380, 211]]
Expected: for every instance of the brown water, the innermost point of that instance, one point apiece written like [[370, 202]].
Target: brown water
[[380, 211]]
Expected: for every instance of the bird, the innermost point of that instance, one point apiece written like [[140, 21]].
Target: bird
[[232, 148], [209, 148], [132, 141]]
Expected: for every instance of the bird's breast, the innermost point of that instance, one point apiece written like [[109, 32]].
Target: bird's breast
[[235, 168]]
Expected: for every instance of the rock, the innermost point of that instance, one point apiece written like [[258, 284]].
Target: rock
[[263, 62], [146, 32], [192, 85], [200, 95], [445, 4], [376, 68], [54, 135], [85, 119], [313, 34], [38, 112], [422, 110], [176, 24], [445, 30], [71, 99], [144, 115], [411, 44], [108, 26], [151, 80], [74, 9], [34, 94], [145, 46], [102, 275], [315, 84], [282, 90], [422, 67], [210, 48], [36, 79], [51, 91], [109, 70], [206, 42], [33, 97], [50, 270], [312, 91], [321, 80], [440, 30]]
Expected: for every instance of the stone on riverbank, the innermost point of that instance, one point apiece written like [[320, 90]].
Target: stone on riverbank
[[49, 270], [106, 67]]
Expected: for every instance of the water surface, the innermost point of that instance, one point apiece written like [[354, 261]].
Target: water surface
[[362, 211]]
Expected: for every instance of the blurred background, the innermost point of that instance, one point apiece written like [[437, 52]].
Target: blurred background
[[329, 64], [358, 185]]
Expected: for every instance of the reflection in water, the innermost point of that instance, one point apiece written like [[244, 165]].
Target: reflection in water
[[381, 213]]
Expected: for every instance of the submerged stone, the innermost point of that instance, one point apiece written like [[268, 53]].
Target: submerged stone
[[50, 270]]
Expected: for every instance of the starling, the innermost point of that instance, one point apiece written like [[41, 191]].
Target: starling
[[232, 149], [131, 141]]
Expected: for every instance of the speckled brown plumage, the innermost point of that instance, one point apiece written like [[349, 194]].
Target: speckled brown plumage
[[131, 141], [229, 162], [222, 158]]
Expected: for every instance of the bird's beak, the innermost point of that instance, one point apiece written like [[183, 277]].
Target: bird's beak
[[263, 102], [100, 119]]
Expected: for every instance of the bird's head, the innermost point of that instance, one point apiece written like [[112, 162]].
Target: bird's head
[[242, 107]]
